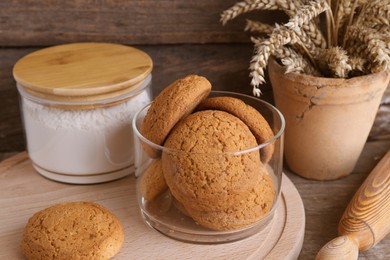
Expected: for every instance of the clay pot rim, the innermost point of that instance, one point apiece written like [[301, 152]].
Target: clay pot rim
[[308, 80]]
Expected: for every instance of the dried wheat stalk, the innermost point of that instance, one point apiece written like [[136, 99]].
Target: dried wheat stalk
[[259, 27], [375, 19], [295, 62], [307, 13], [344, 8], [378, 8], [358, 64], [361, 26], [290, 8], [245, 7], [263, 50], [333, 62], [356, 48], [372, 21], [290, 33], [306, 43], [257, 40], [377, 49]]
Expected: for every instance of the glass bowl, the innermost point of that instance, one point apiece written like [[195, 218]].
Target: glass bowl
[[211, 197]]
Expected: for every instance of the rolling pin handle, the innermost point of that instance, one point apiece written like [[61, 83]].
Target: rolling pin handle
[[365, 220], [340, 248]]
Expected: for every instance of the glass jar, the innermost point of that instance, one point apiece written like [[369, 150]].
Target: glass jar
[[77, 102], [219, 216]]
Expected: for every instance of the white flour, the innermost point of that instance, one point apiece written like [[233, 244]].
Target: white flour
[[81, 142]]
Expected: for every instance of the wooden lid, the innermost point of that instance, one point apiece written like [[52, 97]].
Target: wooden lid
[[82, 71]]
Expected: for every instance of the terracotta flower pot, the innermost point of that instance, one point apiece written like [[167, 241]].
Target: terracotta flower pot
[[327, 120]]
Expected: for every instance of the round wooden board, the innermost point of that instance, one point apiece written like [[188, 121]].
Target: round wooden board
[[23, 192]]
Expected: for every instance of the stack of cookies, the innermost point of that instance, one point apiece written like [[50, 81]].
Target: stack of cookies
[[209, 162]]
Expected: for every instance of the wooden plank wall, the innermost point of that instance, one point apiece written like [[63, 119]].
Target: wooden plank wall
[[48, 22], [180, 36], [175, 32]]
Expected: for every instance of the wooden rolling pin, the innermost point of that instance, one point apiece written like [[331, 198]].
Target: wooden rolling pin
[[366, 220]]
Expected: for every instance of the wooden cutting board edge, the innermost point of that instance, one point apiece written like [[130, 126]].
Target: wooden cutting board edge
[[286, 232]]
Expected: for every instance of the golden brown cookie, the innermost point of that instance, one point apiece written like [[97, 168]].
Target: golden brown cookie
[[249, 115], [245, 212], [72, 230], [152, 182], [206, 173], [172, 104]]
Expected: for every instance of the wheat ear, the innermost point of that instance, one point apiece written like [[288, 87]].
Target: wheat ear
[[358, 64], [281, 35], [263, 50], [295, 62], [307, 13], [356, 48], [378, 8], [255, 26], [334, 62], [375, 15], [370, 20], [306, 43], [377, 49], [310, 27], [344, 8], [245, 7]]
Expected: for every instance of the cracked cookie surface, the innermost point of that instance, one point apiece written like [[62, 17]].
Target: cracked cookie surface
[[206, 170], [249, 115], [244, 212], [72, 230]]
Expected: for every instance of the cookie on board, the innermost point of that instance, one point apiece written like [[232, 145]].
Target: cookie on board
[[72, 230]]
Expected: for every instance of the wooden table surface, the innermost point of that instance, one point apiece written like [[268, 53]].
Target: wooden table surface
[[225, 65]]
